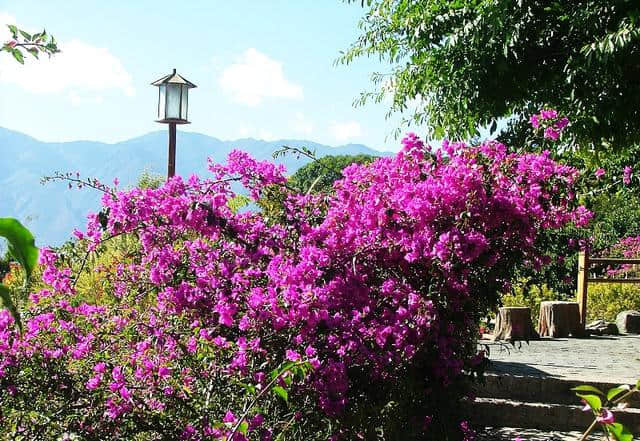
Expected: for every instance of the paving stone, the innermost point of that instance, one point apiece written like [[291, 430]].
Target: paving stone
[[610, 359]]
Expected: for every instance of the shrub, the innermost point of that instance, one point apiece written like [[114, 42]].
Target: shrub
[[607, 300], [524, 293], [354, 318]]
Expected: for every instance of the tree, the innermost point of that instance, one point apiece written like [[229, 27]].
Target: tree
[[468, 63], [319, 176]]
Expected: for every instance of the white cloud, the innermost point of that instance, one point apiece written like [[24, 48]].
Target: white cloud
[[345, 130], [5, 19], [254, 77], [79, 69], [80, 100], [244, 132], [266, 135], [301, 124], [248, 131]]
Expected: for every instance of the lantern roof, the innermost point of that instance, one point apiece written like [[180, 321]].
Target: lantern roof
[[173, 78]]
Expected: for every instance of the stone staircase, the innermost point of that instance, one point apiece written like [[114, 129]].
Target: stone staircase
[[538, 408]]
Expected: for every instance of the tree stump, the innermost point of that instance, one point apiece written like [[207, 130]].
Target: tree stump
[[559, 319], [514, 323]]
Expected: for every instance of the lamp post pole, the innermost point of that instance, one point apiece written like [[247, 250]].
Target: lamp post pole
[[171, 170]]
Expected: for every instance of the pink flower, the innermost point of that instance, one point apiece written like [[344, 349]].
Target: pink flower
[[164, 372], [292, 355], [93, 382], [551, 133], [626, 175], [606, 417], [229, 417], [599, 173], [564, 122], [124, 393], [549, 114], [535, 122], [310, 351]]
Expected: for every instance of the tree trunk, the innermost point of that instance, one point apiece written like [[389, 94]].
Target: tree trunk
[[560, 319], [514, 323]]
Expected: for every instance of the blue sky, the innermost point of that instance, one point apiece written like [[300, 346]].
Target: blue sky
[[264, 69]]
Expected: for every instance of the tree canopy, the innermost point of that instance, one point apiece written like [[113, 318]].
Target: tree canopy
[[467, 63], [320, 175]]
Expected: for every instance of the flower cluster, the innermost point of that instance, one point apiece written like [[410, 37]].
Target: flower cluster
[[383, 281], [550, 122]]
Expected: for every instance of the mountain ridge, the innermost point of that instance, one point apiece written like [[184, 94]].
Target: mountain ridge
[[52, 212]]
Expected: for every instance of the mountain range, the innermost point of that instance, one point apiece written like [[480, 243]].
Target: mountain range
[[52, 211]]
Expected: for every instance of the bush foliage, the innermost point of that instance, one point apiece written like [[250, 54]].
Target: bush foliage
[[607, 300], [353, 317]]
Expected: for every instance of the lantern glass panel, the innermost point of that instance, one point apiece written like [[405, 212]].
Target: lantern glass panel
[[185, 102], [161, 101], [173, 101]]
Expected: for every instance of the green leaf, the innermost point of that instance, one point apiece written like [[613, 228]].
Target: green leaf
[[612, 393], [14, 30], [281, 392], [279, 371], [25, 35], [620, 432], [638, 385], [587, 388], [21, 243], [7, 302], [33, 51], [593, 401], [243, 427], [249, 388], [18, 55]]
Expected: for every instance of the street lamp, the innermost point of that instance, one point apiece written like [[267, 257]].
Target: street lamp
[[173, 103]]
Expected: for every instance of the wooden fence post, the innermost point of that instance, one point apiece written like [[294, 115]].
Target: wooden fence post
[[583, 282]]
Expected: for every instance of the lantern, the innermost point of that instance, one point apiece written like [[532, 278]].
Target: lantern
[[173, 98]]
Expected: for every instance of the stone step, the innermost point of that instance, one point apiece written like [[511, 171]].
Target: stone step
[[497, 412], [511, 433], [538, 389]]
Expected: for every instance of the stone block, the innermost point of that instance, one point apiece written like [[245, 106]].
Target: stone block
[[602, 327], [628, 322]]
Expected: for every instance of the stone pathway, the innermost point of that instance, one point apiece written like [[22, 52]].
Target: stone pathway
[[510, 434], [614, 359]]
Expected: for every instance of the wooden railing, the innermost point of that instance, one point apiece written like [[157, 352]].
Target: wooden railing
[[584, 264]]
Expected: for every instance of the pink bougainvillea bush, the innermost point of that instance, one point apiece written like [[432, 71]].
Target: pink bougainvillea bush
[[354, 319]]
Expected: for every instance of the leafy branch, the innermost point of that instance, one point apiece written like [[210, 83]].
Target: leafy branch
[[593, 397], [34, 44], [297, 368]]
